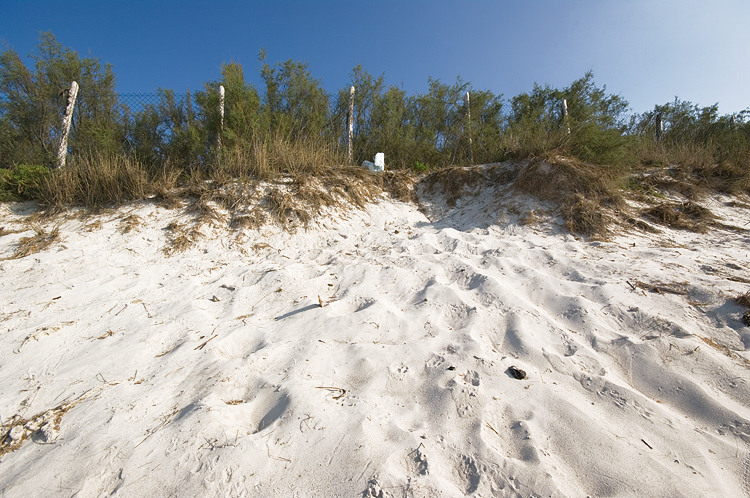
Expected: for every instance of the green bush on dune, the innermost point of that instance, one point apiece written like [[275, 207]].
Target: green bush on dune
[[22, 182]]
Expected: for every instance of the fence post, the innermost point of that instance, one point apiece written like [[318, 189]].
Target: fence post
[[659, 127], [221, 117], [350, 126], [468, 127], [565, 116], [62, 152]]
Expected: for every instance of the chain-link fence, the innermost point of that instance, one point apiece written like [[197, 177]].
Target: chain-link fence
[[137, 102], [158, 123]]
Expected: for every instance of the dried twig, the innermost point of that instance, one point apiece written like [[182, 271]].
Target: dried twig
[[493, 429], [662, 287], [206, 342], [342, 392], [147, 312], [108, 333], [268, 450]]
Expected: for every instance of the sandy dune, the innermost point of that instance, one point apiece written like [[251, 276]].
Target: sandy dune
[[216, 372]]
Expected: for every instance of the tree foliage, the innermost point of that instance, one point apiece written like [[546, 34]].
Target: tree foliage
[[33, 101], [429, 129]]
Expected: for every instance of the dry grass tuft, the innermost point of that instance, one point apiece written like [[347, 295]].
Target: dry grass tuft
[[129, 223], [582, 191], [253, 220], [641, 225], [181, 238], [351, 185], [645, 186], [93, 226], [585, 216], [692, 170], [454, 180], [206, 213], [285, 181], [555, 178], [682, 216], [286, 210], [40, 241], [94, 181], [529, 218], [167, 198], [666, 214], [400, 185], [42, 427], [5, 231], [743, 299]]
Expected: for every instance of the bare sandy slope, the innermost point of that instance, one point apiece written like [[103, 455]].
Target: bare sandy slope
[[216, 372]]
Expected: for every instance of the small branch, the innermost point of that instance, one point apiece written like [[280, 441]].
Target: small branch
[[493, 429], [342, 392], [206, 342], [147, 312]]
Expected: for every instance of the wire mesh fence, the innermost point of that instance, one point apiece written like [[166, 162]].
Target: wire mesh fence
[[138, 102], [159, 120]]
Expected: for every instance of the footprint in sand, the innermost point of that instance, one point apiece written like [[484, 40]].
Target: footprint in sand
[[267, 408]]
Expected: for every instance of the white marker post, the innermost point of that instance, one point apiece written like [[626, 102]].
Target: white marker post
[[221, 117], [350, 126], [659, 127], [62, 152], [468, 126], [565, 116]]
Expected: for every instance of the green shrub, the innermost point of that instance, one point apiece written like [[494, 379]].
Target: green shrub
[[33, 101], [21, 182], [420, 167]]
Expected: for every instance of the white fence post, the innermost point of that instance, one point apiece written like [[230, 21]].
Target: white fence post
[[221, 116], [468, 125], [350, 126], [565, 116], [659, 127], [62, 152]]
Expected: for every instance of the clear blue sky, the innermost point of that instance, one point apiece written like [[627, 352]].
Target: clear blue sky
[[648, 51]]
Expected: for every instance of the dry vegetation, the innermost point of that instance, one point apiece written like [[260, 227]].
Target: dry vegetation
[[293, 182], [130, 223], [41, 428], [40, 241], [743, 299], [181, 237], [584, 192]]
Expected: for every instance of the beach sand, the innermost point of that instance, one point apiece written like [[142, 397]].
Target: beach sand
[[132, 371]]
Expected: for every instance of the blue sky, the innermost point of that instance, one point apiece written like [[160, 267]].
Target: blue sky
[[648, 51]]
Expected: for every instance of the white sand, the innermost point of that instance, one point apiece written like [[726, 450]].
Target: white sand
[[399, 385]]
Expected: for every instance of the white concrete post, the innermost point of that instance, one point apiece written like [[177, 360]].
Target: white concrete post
[[350, 126], [62, 152], [221, 116], [468, 127], [565, 116]]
